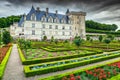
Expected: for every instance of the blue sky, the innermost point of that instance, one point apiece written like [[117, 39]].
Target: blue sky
[[104, 11]]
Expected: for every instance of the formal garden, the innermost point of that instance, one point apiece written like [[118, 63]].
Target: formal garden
[[43, 57]]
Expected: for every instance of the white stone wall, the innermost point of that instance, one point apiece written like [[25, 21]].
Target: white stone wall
[[56, 33]]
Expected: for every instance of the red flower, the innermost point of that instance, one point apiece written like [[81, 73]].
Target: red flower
[[72, 78], [78, 77]]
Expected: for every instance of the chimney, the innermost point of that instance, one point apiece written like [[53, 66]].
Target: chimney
[[56, 11], [47, 10], [38, 9]]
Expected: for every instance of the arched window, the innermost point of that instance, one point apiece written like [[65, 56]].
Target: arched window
[[63, 20], [33, 18]]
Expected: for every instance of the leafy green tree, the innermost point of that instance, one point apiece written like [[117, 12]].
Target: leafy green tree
[[100, 38], [88, 38], [110, 36], [52, 39], [44, 38], [6, 37], [107, 41]]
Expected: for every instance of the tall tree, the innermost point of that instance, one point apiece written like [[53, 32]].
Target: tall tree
[[6, 37]]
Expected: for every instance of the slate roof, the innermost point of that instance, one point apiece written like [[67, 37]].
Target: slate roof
[[40, 14]]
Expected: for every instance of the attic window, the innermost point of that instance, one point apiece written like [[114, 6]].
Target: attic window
[[33, 17]]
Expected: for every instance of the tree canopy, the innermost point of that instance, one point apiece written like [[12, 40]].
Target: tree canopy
[[7, 21], [99, 26]]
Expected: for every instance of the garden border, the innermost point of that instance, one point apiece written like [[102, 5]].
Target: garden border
[[4, 62]]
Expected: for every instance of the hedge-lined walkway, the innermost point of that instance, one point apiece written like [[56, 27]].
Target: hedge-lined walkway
[[14, 68]]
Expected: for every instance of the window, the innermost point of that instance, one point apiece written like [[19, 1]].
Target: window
[[50, 26], [50, 19], [56, 20], [43, 19], [63, 27], [43, 32], [33, 32], [56, 33], [56, 27], [33, 25], [70, 27], [70, 33], [43, 26], [63, 33], [22, 30], [33, 17]]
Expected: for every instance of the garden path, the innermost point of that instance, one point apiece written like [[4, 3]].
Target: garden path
[[14, 68]]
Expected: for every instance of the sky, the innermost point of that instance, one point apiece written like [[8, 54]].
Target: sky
[[104, 11]]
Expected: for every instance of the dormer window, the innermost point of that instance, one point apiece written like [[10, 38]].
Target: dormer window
[[43, 19], [56, 20], [33, 18], [50, 19]]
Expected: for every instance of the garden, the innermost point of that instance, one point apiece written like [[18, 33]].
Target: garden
[[42, 57]]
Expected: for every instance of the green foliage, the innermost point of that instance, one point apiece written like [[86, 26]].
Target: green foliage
[[44, 38], [107, 40], [88, 38], [56, 41], [6, 22], [100, 38], [78, 42], [110, 36], [99, 26], [52, 39], [6, 37]]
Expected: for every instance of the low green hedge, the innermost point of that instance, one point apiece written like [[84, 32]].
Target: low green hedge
[[29, 72], [42, 60], [60, 76], [4, 62], [117, 77]]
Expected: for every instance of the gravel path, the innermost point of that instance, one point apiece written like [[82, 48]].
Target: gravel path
[[14, 69]]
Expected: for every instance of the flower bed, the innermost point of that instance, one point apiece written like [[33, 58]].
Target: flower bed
[[3, 52], [4, 62], [101, 73], [84, 73], [66, 64]]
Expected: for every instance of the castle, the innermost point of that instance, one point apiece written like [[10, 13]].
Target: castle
[[37, 24]]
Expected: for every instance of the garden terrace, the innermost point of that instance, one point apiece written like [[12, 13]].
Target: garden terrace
[[66, 64]]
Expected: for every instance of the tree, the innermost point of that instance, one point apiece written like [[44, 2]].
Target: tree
[[52, 39], [44, 38], [110, 36], [6, 37], [88, 38], [107, 41], [100, 38]]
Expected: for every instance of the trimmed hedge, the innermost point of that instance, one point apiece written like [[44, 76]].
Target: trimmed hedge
[[29, 72], [117, 77], [4, 62], [60, 76], [42, 60]]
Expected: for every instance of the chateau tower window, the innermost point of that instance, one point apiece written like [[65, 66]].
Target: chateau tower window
[[70, 28], [33, 32], [33, 18]]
